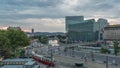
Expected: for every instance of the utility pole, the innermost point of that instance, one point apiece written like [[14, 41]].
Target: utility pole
[[73, 52], [106, 61], [92, 56], [51, 55]]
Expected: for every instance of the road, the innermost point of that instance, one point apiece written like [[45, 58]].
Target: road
[[69, 61], [57, 66], [99, 58]]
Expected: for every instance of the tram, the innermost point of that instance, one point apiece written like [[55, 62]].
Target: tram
[[43, 59]]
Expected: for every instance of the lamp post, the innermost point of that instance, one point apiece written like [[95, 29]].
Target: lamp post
[[106, 61], [106, 57], [92, 56], [51, 55], [73, 52]]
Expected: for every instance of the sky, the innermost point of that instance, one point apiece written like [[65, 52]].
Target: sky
[[49, 15]]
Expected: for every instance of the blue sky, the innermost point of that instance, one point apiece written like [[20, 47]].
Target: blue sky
[[48, 15]]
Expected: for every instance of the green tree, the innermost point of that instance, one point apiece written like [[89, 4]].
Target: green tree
[[17, 38], [105, 50], [11, 40], [116, 47], [4, 41], [62, 39], [43, 39], [22, 52]]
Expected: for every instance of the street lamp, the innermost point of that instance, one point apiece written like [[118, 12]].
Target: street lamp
[[106, 61], [73, 52], [92, 56], [51, 55]]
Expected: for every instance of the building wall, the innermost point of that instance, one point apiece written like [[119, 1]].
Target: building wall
[[14, 28], [101, 24], [112, 34], [72, 20], [79, 29], [83, 31]]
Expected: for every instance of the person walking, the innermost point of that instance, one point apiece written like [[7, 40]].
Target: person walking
[[85, 58]]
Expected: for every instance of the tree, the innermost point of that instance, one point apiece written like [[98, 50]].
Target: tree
[[17, 38], [62, 39], [4, 42], [43, 39], [116, 47], [105, 50], [11, 40], [22, 52]]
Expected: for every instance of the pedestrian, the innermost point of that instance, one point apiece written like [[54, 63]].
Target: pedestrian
[[113, 62], [48, 66], [85, 59]]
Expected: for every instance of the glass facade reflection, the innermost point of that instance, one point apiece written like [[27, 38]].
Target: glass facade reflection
[[79, 29]]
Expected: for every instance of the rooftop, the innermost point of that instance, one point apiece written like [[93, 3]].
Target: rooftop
[[12, 66], [30, 63], [14, 60], [112, 26]]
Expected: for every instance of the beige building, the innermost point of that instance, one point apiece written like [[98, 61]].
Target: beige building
[[14, 28], [112, 32]]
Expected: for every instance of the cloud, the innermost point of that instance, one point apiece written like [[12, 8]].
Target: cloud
[[114, 21], [48, 15], [43, 25], [17, 9]]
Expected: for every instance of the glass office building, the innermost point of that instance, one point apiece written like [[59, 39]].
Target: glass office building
[[79, 29], [72, 20]]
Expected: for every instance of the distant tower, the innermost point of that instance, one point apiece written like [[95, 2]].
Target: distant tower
[[32, 30]]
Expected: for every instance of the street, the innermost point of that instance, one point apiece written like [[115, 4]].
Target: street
[[69, 57]]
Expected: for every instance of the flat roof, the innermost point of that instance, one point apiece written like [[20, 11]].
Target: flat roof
[[18, 59], [12, 66], [30, 63], [112, 26], [17, 66], [36, 66]]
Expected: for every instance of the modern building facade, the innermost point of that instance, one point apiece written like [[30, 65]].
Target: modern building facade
[[79, 29], [102, 23], [112, 32], [69, 20]]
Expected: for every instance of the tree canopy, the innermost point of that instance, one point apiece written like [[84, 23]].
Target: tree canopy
[[17, 38], [116, 47], [43, 39], [11, 40]]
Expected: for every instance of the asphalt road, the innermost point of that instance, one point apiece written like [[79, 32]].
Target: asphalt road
[[97, 57], [101, 58]]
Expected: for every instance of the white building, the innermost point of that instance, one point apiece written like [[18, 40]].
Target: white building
[[112, 32], [53, 42]]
